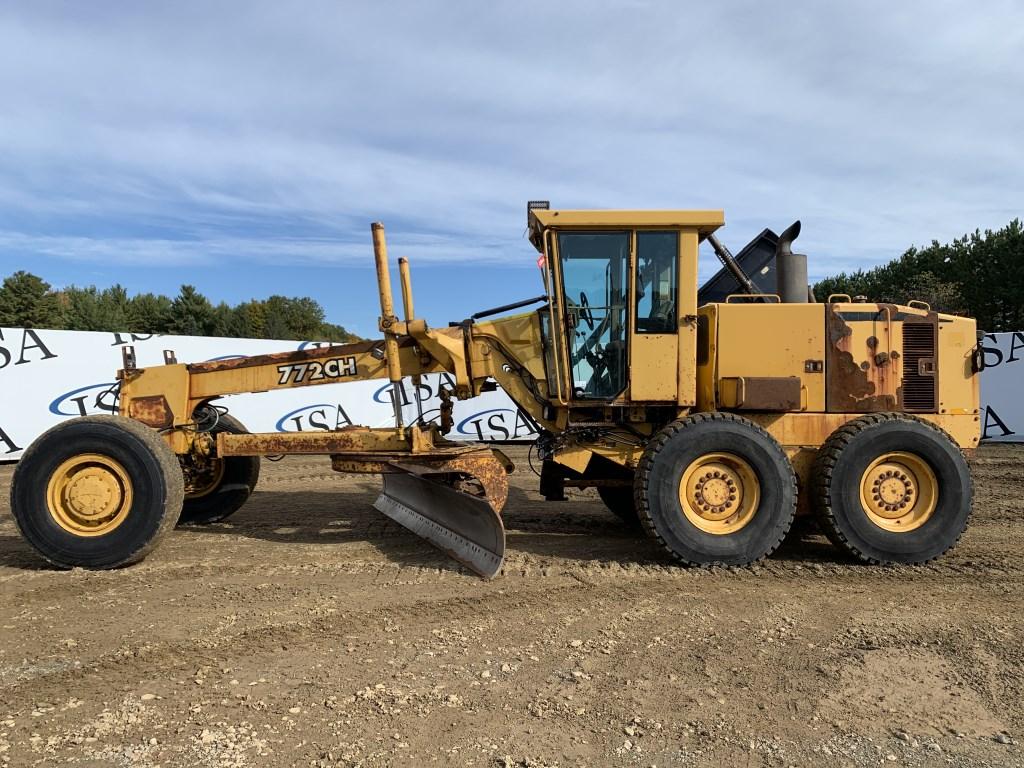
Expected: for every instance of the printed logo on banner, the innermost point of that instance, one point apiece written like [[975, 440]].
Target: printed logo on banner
[[92, 399], [1001, 386], [120, 340], [992, 421], [317, 344], [319, 416], [501, 424], [992, 356], [7, 442], [385, 394], [27, 345]]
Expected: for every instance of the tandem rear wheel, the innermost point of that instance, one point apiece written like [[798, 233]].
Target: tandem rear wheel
[[218, 487], [891, 488], [96, 492], [716, 489]]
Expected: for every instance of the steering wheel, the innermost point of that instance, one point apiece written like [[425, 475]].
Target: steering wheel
[[585, 314]]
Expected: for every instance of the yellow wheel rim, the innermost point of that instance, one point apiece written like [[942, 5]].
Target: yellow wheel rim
[[209, 481], [719, 493], [89, 495], [899, 491]]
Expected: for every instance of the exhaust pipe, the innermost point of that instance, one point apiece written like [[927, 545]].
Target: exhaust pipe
[[790, 268]]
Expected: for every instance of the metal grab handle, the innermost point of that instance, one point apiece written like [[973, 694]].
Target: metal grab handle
[[749, 296], [508, 307], [920, 304], [833, 296]]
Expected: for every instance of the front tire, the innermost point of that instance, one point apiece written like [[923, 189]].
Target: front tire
[[225, 484], [716, 489], [96, 492], [891, 488]]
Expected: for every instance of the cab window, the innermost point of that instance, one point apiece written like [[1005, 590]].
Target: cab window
[[657, 258]]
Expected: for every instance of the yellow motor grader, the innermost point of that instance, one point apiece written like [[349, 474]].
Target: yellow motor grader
[[711, 426]]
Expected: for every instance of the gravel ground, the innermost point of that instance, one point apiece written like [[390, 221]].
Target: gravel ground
[[311, 631]]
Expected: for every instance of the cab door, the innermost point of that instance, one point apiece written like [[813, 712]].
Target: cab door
[[654, 347], [595, 279]]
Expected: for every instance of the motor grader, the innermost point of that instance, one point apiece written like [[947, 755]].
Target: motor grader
[[712, 427]]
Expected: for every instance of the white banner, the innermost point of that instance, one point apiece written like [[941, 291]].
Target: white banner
[[48, 376], [1002, 387]]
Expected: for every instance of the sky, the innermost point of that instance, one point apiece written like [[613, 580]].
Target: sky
[[246, 147]]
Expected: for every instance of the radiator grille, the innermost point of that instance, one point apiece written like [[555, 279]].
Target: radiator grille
[[918, 388]]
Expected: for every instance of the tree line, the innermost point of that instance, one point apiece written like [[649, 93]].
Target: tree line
[[28, 301], [980, 275]]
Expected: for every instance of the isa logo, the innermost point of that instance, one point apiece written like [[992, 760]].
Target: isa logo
[[319, 416], [496, 424], [85, 401]]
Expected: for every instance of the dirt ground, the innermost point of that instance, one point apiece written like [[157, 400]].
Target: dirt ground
[[311, 631]]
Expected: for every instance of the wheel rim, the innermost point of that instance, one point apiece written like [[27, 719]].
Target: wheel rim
[[209, 480], [89, 495], [719, 493], [899, 491]]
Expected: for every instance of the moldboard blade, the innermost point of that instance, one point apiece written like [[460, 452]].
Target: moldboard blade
[[464, 527]]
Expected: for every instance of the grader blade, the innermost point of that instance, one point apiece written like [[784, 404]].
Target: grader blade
[[464, 526]]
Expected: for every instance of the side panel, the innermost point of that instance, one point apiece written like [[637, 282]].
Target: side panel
[[958, 382], [773, 341], [880, 357], [652, 369]]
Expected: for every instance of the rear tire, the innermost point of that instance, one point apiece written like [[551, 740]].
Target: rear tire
[[96, 492], [892, 488], [233, 480], [621, 502], [716, 489]]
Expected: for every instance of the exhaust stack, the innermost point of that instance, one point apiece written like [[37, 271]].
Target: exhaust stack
[[791, 268]]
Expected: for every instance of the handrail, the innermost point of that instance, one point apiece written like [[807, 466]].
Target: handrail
[[508, 307], [749, 296]]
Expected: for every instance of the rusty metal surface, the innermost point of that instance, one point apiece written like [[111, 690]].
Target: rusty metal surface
[[298, 356], [480, 465], [351, 439], [151, 410], [853, 386]]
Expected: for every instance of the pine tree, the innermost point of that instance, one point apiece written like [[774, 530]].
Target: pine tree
[[191, 313], [26, 301]]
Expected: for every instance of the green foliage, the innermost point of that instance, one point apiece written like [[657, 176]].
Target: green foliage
[[981, 275], [28, 301]]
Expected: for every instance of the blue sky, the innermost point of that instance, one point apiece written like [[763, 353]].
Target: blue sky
[[246, 147]]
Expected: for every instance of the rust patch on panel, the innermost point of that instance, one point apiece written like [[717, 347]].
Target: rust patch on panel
[[489, 468], [480, 465], [153, 411], [298, 356], [852, 386], [347, 440]]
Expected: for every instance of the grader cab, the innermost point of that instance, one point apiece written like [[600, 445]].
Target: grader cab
[[712, 427]]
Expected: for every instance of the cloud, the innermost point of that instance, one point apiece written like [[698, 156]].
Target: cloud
[[266, 132]]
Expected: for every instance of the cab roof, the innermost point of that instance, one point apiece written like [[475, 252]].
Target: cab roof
[[540, 219]]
